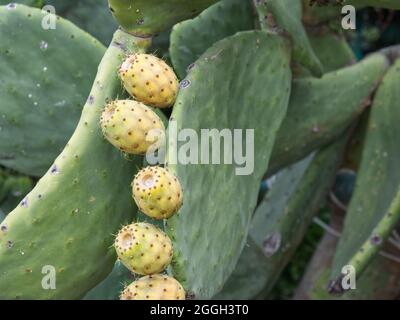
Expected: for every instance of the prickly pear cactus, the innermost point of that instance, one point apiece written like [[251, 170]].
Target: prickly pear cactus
[[214, 135]]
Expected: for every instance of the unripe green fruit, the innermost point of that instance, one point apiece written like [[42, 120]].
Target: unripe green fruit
[[143, 248], [149, 80], [131, 126], [157, 192], [156, 287]]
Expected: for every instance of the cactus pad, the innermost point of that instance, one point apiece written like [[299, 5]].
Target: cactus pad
[[248, 71], [191, 38], [290, 21], [281, 220], [320, 110], [39, 111], [81, 197]]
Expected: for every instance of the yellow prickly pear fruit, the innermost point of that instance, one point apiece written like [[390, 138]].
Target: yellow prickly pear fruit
[[156, 287], [131, 126], [149, 80], [143, 248], [157, 192]]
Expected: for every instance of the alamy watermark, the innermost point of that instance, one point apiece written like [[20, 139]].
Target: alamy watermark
[[204, 146]]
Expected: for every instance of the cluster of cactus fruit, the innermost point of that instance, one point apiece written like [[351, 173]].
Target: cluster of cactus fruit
[[127, 124], [179, 229]]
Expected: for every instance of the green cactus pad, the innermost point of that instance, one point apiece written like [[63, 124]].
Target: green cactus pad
[[287, 19], [377, 182], [320, 110], [250, 276], [149, 17], [42, 88], [332, 60], [111, 287], [191, 38], [209, 232], [322, 43], [281, 220], [68, 220]]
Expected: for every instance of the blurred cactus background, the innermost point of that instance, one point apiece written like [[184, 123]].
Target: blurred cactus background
[[326, 177]]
